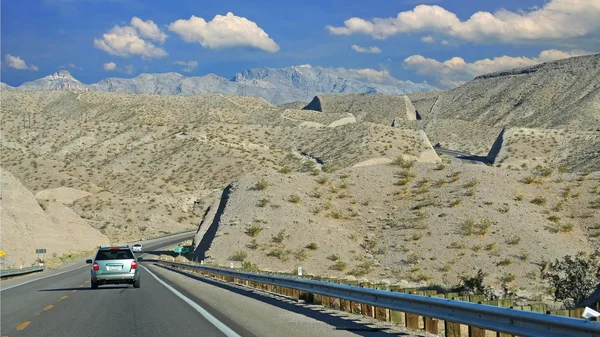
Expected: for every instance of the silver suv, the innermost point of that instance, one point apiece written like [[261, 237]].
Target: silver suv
[[115, 265]]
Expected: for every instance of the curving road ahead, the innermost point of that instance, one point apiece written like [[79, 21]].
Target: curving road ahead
[[168, 303]]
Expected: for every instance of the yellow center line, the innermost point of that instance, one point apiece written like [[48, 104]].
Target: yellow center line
[[73, 291], [37, 314], [23, 325], [81, 286], [62, 298], [48, 307]]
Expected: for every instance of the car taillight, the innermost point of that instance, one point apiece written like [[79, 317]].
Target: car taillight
[[133, 264], [96, 266]]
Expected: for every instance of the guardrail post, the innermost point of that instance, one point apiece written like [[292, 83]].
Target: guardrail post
[[366, 309], [397, 317], [452, 329], [382, 314], [431, 325], [412, 321]]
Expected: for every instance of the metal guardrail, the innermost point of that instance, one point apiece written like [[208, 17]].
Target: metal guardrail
[[503, 320], [14, 272]]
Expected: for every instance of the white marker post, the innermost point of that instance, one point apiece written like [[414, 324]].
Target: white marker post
[[299, 271]]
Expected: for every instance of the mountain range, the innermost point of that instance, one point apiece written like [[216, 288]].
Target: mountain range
[[275, 85]]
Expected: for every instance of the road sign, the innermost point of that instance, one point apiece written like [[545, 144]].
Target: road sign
[[40, 251], [178, 250], [2, 253]]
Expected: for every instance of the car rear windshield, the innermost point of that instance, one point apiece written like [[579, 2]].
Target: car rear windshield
[[121, 254]]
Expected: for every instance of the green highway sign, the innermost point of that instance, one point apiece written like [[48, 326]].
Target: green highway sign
[[177, 250], [185, 249]]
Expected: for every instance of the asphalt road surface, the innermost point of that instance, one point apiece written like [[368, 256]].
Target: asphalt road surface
[[167, 304]]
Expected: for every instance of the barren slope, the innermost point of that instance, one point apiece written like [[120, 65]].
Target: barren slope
[[426, 223], [27, 226]]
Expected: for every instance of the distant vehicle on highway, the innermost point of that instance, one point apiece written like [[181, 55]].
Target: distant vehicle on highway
[[114, 265], [137, 247]]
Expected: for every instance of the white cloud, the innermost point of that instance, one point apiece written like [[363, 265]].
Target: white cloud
[[227, 31], [456, 71], [18, 63], [555, 20], [127, 40], [368, 74], [428, 39], [148, 29], [445, 43], [368, 50], [110, 66], [188, 66]]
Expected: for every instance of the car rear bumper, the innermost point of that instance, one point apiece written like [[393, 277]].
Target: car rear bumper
[[115, 278]]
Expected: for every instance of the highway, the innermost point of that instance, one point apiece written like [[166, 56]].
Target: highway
[[167, 304]]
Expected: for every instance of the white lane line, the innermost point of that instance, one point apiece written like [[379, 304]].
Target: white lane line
[[212, 319], [41, 278]]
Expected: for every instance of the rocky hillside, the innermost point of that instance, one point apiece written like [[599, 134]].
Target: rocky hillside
[[48, 222], [411, 224], [277, 86], [146, 159], [559, 94]]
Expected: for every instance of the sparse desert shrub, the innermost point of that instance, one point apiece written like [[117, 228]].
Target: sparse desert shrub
[[573, 279], [529, 180], [404, 163], [250, 267], [595, 204], [262, 202], [505, 262], [279, 237], [514, 240], [254, 230], [455, 203], [294, 198], [470, 227], [300, 254], [508, 278], [413, 259], [554, 218], [543, 171], [339, 265], [238, 256], [439, 167], [471, 183], [560, 228], [473, 285], [540, 201], [457, 245], [490, 246], [253, 244], [362, 269], [312, 246], [261, 185], [286, 170], [322, 180], [281, 254]]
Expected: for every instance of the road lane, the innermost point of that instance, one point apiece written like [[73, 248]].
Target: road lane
[[79, 264], [66, 306], [151, 310]]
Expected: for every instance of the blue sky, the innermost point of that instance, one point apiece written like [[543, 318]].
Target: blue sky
[[443, 42]]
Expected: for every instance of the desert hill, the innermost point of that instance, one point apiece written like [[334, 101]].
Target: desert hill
[[558, 94], [29, 224]]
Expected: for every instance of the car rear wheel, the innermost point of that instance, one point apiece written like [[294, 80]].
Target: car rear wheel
[[94, 285], [136, 283]]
